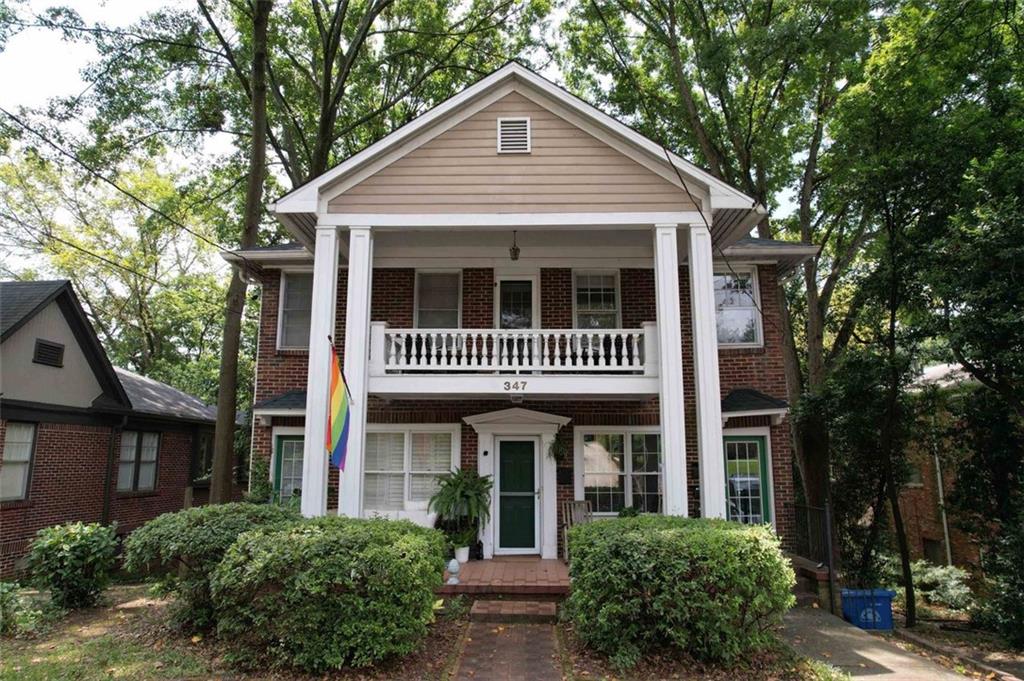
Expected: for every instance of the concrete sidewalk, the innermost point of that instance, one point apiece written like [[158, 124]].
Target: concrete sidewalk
[[819, 635]]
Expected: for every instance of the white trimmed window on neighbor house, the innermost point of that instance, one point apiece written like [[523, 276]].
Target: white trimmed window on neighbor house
[[737, 308], [295, 310], [136, 469], [16, 468], [403, 464], [622, 468]]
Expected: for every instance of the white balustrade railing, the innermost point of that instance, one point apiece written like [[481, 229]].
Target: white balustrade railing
[[616, 351]]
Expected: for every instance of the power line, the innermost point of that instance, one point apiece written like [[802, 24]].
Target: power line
[[103, 178]]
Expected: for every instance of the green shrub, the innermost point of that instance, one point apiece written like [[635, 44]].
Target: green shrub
[[19, 616], [1003, 610], [73, 561], [183, 548], [327, 593], [710, 588], [944, 585]]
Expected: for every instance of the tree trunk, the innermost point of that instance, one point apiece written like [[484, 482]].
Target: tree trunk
[[227, 396], [901, 541]]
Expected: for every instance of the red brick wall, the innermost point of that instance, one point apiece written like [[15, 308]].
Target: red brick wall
[[66, 485], [392, 300]]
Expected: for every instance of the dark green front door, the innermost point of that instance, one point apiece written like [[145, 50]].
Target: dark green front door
[[517, 489]]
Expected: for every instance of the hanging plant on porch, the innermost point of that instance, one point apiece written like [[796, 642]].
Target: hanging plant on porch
[[558, 450], [462, 502]]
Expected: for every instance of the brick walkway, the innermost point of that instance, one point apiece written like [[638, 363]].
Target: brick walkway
[[527, 575], [509, 652]]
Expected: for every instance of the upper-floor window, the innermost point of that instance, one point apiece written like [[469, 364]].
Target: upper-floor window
[[438, 295], [19, 443], [736, 308], [296, 306], [596, 296], [136, 470]]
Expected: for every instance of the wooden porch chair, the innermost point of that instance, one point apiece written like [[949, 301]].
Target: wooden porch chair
[[573, 513]]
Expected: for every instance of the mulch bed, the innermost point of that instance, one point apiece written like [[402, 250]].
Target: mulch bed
[[780, 663]]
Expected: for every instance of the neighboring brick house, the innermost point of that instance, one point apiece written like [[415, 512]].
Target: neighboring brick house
[[79, 438], [528, 277]]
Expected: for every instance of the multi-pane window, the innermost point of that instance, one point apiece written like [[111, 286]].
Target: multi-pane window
[[746, 480], [296, 306], [437, 300], [402, 467], [622, 469], [597, 300], [288, 474], [19, 441], [736, 311], [136, 469], [202, 464]]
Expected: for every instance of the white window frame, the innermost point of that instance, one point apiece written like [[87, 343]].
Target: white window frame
[[140, 433], [532, 276], [578, 464], [529, 135], [28, 464], [758, 317], [280, 307], [766, 433], [416, 293], [407, 429], [618, 293], [275, 432]]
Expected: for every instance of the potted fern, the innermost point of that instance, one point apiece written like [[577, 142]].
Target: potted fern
[[462, 502]]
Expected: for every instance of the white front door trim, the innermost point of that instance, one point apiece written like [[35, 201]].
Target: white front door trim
[[498, 549], [519, 422]]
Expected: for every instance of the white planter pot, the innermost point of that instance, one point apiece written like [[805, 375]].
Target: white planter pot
[[462, 554]]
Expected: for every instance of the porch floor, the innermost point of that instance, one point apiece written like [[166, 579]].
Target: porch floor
[[513, 576]]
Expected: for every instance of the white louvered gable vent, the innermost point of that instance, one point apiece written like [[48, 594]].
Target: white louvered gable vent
[[513, 135]]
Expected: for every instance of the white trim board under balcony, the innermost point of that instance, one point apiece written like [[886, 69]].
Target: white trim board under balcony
[[516, 387]]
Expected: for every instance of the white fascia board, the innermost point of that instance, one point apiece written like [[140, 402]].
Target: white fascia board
[[776, 414], [491, 385], [522, 221]]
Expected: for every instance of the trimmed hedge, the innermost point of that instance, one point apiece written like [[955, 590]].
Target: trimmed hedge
[[710, 588], [73, 561], [328, 593], [183, 548]]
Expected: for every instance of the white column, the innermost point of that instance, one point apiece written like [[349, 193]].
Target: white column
[[321, 325], [548, 497], [357, 352], [705, 371], [670, 369]]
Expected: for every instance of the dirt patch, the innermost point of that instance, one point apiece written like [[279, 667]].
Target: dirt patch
[[778, 663], [983, 646]]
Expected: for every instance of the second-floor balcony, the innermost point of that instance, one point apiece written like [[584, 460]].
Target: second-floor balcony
[[549, 362]]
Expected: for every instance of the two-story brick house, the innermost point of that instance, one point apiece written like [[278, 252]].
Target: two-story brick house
[[518, 283]]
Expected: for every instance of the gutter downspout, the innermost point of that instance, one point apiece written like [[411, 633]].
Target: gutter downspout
[[108, 478], [942, 492]]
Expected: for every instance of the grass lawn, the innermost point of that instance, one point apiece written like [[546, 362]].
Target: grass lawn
[[129, 638]]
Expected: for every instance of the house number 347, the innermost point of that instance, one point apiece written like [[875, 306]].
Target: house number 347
[[514, 386]]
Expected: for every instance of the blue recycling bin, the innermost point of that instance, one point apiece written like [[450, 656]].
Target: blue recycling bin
[[868, 608]]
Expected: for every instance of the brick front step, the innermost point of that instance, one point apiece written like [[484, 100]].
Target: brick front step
[[535, 612]]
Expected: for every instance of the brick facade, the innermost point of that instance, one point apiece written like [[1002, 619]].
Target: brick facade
[[392, 301], [67, 478]]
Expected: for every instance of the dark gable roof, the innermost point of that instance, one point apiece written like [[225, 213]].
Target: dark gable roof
[[747, 399], [293, 399], [21, 300], [151, 397]]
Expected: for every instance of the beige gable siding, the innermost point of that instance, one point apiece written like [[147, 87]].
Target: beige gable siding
[[460, 171], [74, 384]]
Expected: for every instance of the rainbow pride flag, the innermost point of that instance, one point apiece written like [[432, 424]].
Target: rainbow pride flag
[[337, 413]]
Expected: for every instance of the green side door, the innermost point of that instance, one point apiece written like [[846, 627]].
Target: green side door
[[517, 495], [747, 493]]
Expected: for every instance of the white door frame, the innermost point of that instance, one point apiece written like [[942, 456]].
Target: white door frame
[[521, 423], [530, 550], [533, 276]]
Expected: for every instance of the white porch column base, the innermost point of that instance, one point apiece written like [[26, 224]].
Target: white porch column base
[[670, 360], [357, 351], [321, 325], [705, 371]]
